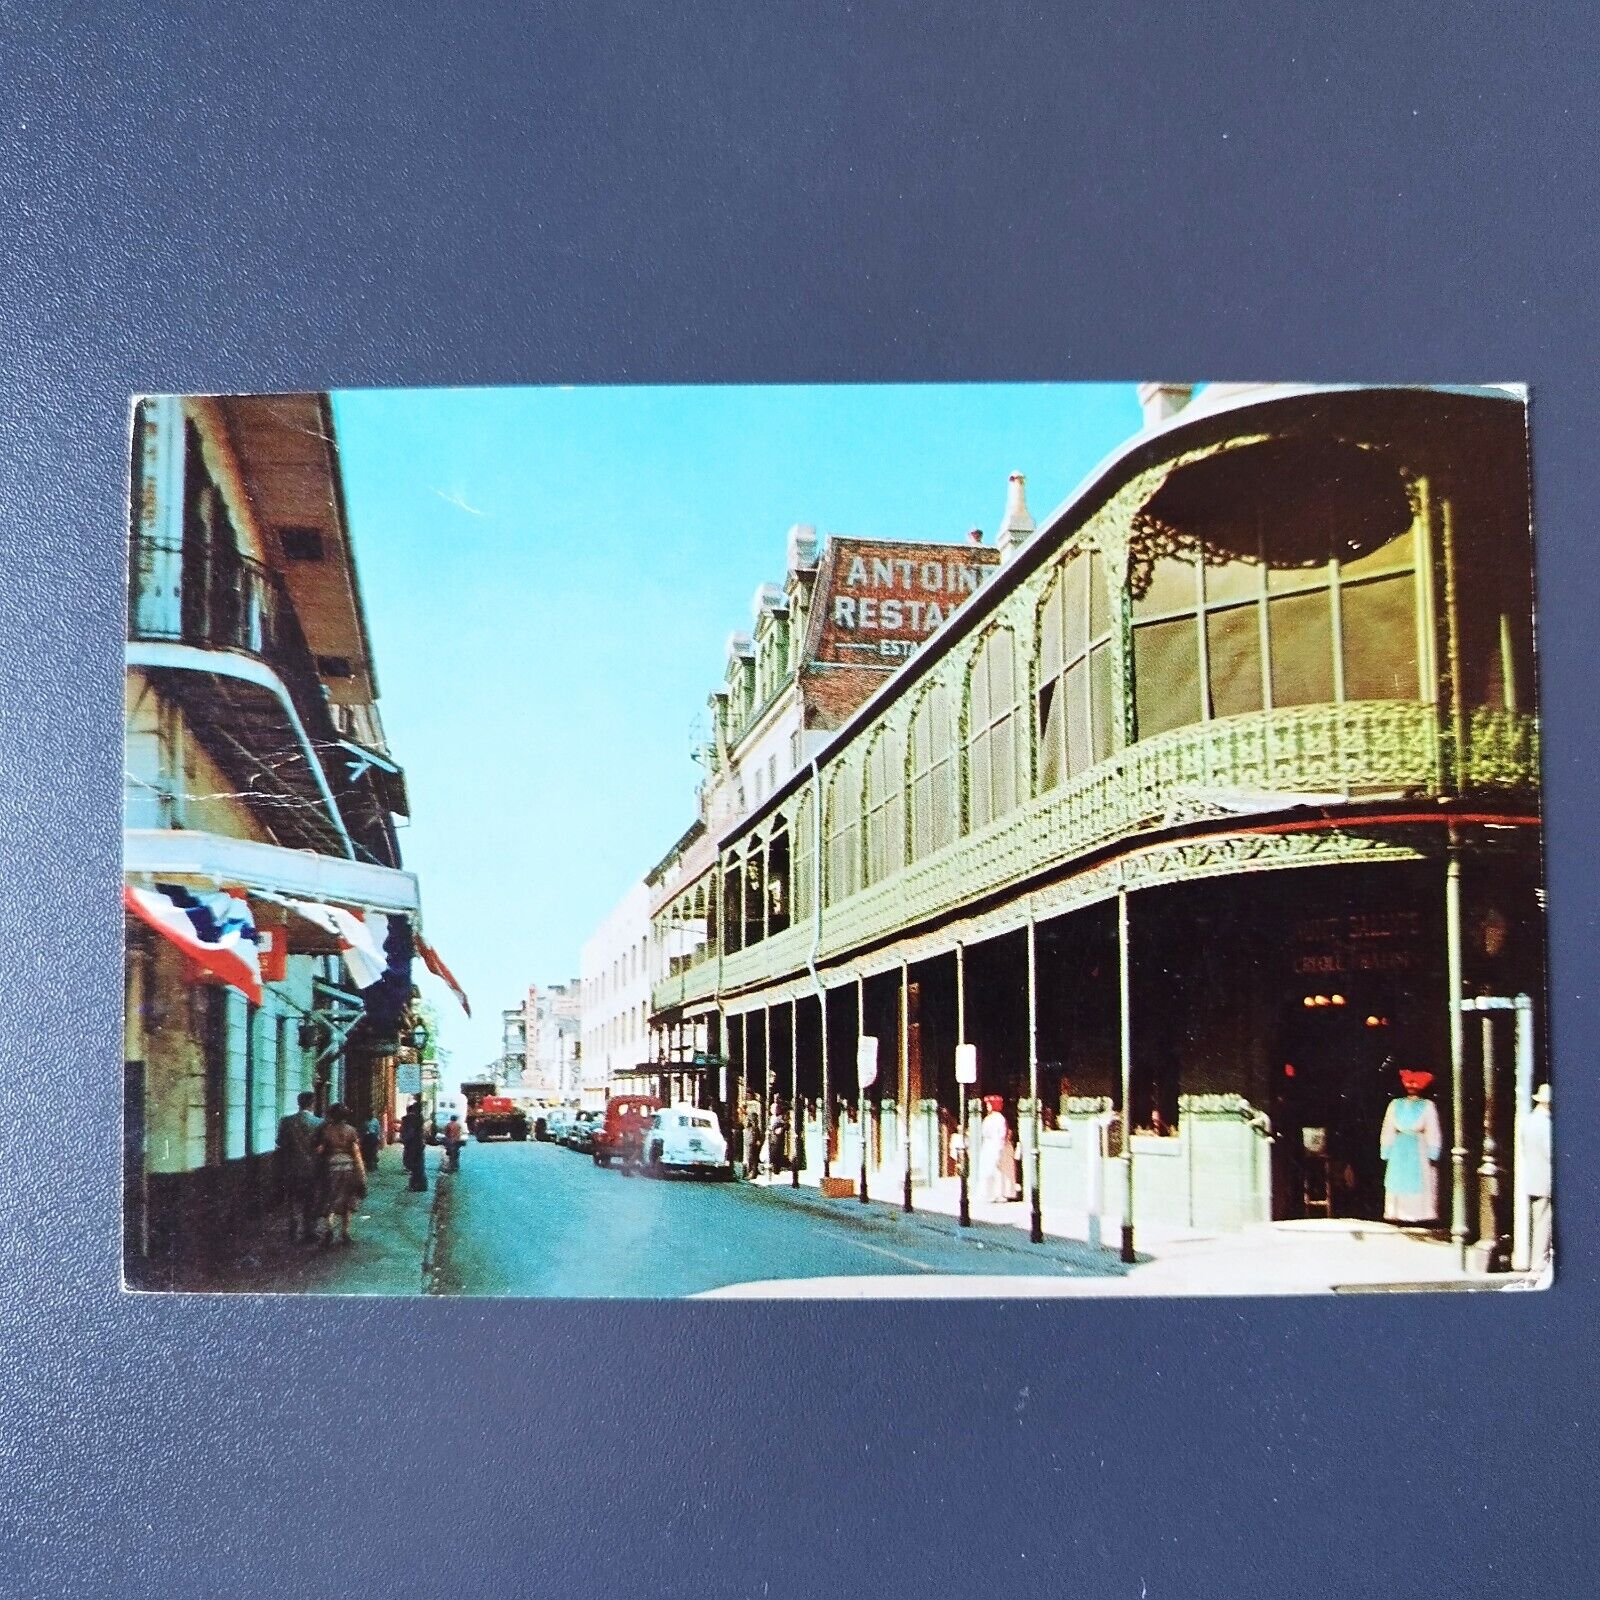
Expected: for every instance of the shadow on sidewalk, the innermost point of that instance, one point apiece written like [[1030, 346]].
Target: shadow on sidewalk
[[390, 1242], [995, 1239]]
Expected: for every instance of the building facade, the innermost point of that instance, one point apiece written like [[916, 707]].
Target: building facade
[[849, 613], [1214, 806], [614, 981], [270, 926]]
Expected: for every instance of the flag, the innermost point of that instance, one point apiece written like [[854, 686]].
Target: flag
[[216, 931], [361, 939], [432, 961]]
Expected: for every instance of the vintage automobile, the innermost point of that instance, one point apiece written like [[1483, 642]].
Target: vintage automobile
[[620, 1137], [685, 1139]]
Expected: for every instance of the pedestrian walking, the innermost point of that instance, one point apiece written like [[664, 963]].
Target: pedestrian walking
[[752, 1139], [345, 1175], [371, 1140], [413, 1145], [299, 1173], [776, 1136], [1410, 1143], [1534, 1160], [454, 1137]]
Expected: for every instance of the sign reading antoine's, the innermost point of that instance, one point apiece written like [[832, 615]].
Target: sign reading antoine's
[[882, 601]]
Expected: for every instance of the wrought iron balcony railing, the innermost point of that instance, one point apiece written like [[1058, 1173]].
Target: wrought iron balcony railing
[[1355, 749]]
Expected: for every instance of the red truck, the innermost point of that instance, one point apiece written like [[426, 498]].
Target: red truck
[[493, 1116]]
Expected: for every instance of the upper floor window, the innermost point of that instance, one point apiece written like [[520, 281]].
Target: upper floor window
[[933, 793], [885, 805], [1224, 638], [994, 744], [1076, 711], [842, 825]]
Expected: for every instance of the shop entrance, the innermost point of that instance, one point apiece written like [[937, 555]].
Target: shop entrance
[[1336, 1075]]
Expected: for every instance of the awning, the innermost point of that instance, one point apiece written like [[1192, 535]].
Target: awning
[[184, 854]]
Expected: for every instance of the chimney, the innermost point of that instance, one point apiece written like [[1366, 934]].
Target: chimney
[[1161, 401], [802, 547], [1016, 524]]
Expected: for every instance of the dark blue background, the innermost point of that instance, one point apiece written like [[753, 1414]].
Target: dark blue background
[[197, 197]]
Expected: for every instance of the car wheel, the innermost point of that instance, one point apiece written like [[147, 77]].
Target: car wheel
[[600, 1160]]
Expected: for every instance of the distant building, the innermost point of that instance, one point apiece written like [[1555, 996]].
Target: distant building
[[614, 981]]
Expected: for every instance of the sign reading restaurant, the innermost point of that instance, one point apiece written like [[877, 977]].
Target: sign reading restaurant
[[883, 600]]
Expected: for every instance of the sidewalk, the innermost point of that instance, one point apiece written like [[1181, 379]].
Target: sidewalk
[[1315, 1256], [392, 1238]]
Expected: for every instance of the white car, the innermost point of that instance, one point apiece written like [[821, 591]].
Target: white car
[[685, 1139]]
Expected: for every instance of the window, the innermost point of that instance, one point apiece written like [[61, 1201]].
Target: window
[[885, 801], [301, 544], [1074, 714], [804, 849], [933, 805], [842, 823], [1233, 637], [993, 742]]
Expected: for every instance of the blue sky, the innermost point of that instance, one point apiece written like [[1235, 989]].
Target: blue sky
[[550, 576]]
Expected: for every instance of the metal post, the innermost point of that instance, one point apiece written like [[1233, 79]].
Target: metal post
[[961, 1088], [1522, 1212], [796, 1143], [905, 1081], [1127, 1077], [766, 1079], [861, 1091], [1488, 1166], [1458, 1112], [1036, 1229], [827, 1104]]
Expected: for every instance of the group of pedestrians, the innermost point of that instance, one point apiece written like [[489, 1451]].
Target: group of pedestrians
[[322, 1169]]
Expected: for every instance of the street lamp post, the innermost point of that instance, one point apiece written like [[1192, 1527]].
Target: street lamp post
[[419, 1168]]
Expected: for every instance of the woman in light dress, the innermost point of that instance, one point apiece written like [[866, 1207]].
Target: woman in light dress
[[1410, 1144], [997, 1154]]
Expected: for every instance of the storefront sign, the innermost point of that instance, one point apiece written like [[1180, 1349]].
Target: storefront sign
[[408, 1077], [884, 599], [1357, 942]]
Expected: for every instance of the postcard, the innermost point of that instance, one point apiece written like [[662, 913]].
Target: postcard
[[849, 842]]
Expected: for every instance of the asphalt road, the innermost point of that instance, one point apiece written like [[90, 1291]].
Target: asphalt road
[[537, 1219]]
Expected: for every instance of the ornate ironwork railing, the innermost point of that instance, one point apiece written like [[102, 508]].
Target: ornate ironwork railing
[[1260, 761]]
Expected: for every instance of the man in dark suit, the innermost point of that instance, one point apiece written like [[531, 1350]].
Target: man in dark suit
[[299, 1175]]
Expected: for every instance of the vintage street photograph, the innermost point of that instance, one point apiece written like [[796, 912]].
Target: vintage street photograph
[[1027, 840]]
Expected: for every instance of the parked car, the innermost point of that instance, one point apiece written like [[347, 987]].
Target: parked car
[[685, 1139], [581, 1131], [620, 1136], [555, 1124]]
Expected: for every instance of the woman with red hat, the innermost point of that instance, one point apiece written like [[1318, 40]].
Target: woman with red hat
[[993, 1137], [1410, 1144]]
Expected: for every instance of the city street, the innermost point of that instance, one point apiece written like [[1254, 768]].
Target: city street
[[535, 1219]]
